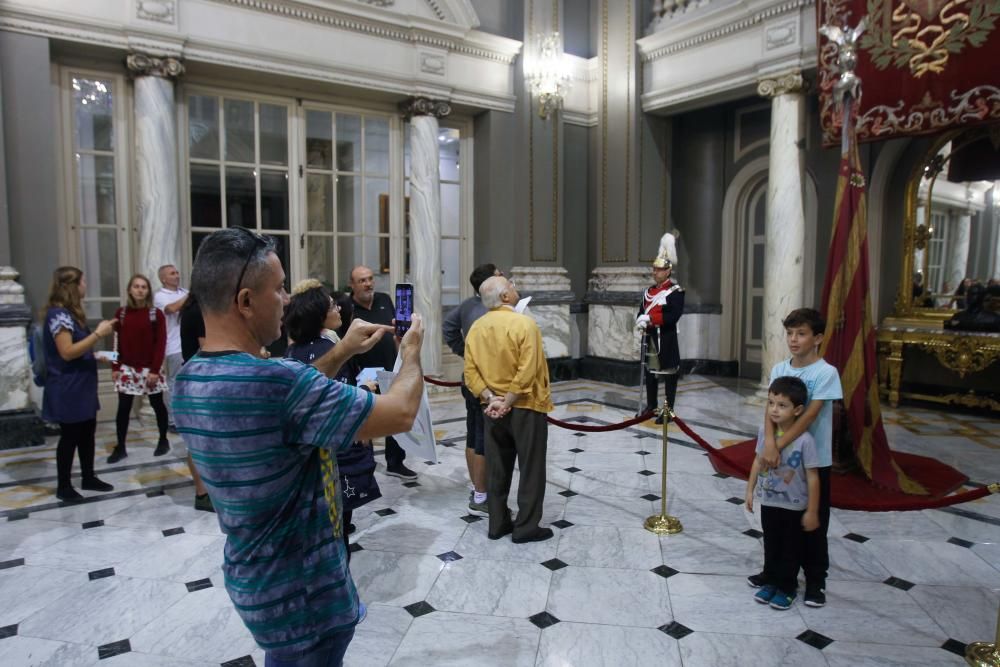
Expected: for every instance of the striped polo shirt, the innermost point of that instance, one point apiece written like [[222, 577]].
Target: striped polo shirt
[[255, 428]]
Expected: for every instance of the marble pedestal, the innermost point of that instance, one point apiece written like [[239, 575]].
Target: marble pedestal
[[613, 298], [551, 297], [19, 424]]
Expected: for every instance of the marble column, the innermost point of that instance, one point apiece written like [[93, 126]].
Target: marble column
[[425, 222], [19, 425], [784, 272], [959, 237], [156, 161]]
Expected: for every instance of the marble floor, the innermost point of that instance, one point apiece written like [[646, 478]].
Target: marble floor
[[132, 577]]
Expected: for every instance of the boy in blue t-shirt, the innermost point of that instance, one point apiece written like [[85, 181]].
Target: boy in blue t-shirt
[[788, 494], [804, 330]]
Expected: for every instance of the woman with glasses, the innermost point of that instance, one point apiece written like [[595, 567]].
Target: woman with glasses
[[141, 330], [311, 318], [71, 380]]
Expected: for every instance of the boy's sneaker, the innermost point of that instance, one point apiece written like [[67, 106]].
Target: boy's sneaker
[[782, 601], [401, 472], [479, 509], [765, 594], [756, 580], [815, 598]]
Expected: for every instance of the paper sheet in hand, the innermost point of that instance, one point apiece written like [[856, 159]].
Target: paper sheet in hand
[[522, 304], [419, 441]]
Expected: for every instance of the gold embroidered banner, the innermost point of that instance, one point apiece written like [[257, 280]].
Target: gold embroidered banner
[[925, 66]]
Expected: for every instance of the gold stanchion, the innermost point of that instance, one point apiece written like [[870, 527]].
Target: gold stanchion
[[663, 523], [984, 654]]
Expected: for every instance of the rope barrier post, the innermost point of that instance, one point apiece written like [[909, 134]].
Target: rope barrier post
[[663, 523]]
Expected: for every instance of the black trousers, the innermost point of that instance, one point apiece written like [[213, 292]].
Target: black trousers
[[394, 454], [125, 410], [521, 435], [815, 552], [782, 547], [75, 437], [669, 386]]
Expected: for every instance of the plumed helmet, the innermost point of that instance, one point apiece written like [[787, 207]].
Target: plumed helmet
[[667, 257]]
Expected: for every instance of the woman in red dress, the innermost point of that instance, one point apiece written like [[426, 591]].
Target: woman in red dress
[[141, 343]]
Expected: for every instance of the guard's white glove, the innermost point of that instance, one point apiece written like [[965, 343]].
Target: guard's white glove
[[642, 322]]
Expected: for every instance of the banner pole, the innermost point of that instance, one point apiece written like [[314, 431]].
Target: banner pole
[[984, 654], [663, 523]]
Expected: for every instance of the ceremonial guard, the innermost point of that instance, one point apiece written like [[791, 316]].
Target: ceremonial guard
[[662, 305]]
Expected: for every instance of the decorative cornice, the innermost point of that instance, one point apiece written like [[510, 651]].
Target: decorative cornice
[[723, 30], [424, 106], [139, 64], [375, 28], [161, 11], [782, 85]]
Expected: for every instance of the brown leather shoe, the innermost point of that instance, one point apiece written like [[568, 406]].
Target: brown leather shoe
[[538, 535]]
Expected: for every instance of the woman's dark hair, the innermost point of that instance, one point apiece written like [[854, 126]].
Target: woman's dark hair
[[306, 313]]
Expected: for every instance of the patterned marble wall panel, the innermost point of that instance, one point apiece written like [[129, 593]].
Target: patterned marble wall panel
[[611, 332], [555, 326]]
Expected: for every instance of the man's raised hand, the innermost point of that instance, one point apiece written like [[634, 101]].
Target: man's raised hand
[[362, 336]]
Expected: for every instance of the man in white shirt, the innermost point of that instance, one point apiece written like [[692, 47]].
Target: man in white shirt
[[170, 299]]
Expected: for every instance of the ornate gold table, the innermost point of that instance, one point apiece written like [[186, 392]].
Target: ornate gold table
[[969, 354]]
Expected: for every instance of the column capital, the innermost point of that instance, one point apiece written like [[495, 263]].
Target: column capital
[[140, 64], [424, 106], [792, 82]]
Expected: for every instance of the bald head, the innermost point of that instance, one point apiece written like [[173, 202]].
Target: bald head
[[362, 285]]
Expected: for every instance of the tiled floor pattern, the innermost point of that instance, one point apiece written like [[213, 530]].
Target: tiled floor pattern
[[133, 577]]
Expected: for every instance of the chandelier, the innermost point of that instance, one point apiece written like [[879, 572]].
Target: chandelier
[[548, 75]]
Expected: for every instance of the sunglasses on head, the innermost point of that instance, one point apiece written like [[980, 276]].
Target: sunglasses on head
[[259, 242]]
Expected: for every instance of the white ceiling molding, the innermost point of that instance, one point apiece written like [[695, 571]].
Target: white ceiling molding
[[721, 53]]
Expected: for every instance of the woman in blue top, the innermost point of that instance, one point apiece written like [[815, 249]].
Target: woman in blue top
[[70, 396], [310, 313]]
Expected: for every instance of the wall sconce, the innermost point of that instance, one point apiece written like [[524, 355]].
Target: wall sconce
[[549, 77]]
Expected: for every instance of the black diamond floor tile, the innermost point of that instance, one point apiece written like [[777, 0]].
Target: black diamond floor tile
[[854, 537], [17, 516], [7, 564], [577, 450], [92, 524], [572, 469], [555, 564], [173, 531], [664, 571], [579, 435], [411, 485], [471, 518], [901, 584], [754, 533], [198, 585], [721, 475], [814, 639], [155, 494], [101, 574], [355, 547], [244, 661], [954, 646], [734, 500], [113, 649], [676, 630], [388, 511], [562, 523], [567, 493], [650, 496], [643, 452], [429, 463], [418, 609], [450, 556], [958, 541], [646, 473], [8, 631], [543, 620]]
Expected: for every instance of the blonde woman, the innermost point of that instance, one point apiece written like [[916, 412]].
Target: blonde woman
[[142, 345], [71, 381]]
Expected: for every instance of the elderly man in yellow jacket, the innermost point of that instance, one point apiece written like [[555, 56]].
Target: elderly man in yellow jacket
[[505, 366]]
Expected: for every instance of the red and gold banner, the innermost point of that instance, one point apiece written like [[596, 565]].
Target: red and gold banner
[[849, 343], [925, 66]]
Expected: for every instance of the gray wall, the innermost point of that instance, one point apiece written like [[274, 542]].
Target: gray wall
[[495, 17], [577, 17], [576, 206], [30, 120]]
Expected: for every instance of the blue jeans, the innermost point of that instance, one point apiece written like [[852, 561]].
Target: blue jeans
[[328, 654]]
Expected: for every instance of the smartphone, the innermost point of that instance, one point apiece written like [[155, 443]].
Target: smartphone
[[404, 308]]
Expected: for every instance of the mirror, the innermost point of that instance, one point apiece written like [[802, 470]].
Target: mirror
[[952, 232]]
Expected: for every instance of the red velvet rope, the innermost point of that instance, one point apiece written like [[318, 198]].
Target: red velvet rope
[[572, 426], [935, 503]]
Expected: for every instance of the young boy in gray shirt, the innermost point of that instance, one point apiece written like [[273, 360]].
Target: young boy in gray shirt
[[788, 495]]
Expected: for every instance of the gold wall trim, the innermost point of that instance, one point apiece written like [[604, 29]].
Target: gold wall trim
[[554, 250]]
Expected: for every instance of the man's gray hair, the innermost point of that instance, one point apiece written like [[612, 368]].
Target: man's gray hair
[[490, 291], [221, 257], [159, 271]]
